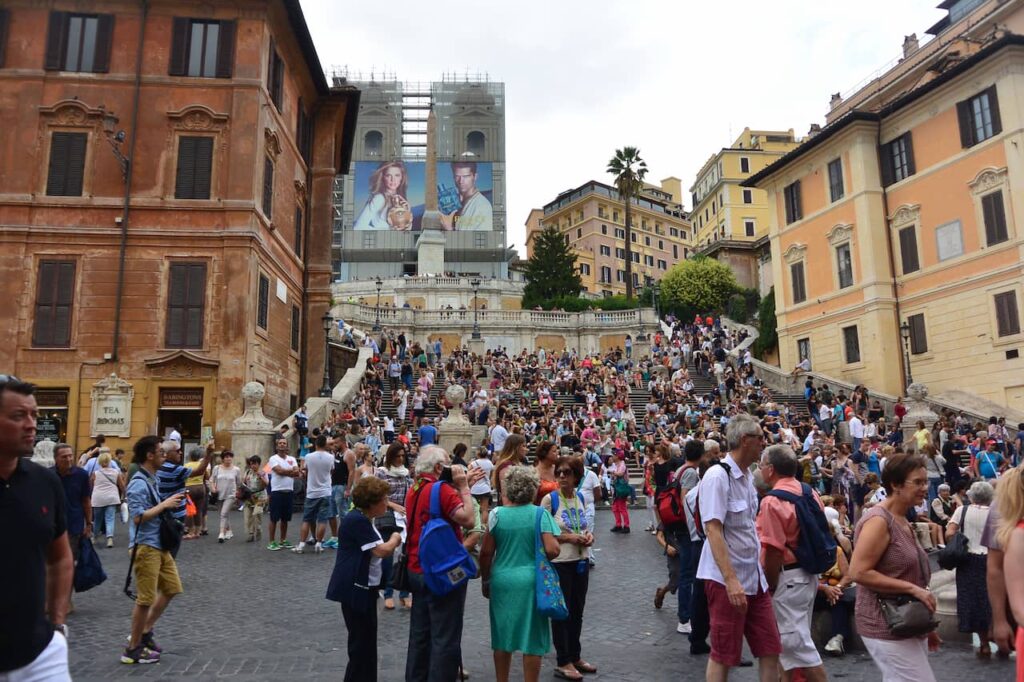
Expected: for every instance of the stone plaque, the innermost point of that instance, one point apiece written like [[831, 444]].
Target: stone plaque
[[112, 408]]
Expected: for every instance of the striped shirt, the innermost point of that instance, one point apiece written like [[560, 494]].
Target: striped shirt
[[729, 497], [170, 479]]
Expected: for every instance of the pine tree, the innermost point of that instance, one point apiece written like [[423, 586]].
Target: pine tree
[[551, 271]]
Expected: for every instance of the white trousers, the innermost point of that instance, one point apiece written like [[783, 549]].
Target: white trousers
[[901, 660], [51, 665]]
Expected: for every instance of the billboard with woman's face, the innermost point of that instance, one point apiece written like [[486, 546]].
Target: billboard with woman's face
[[389, 195]]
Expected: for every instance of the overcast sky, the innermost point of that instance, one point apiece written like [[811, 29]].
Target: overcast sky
[[678, 79]]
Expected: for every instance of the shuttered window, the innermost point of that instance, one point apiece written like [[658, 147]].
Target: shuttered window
[[296, 318], [268, 188], [263, 302], [908, 250], [304, 132], [186, 303], [202, 48], [897, 159], [275, 76], [796, 273], [844, 265], [918, 335], [979, 117], [298, 231], [67, 164], [55, 293], [5, 17], [79, 42], [835, 179], [195, 163], [994, 213], [1007, 319], [851, 344], [794, 204]]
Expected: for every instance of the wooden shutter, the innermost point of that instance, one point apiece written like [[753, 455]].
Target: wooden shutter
[[886, 164], [295, 327], [55, 291], [104, 39], [798, 206], [908, 145], [186, 302], [204, 167], [298, 231], [994, 214], [195, 161], [263, 302], [964, 118], [226, 50], [67, 164], [908, 250], [56, 41], [918, 335], [1007, 320], [195, 301], [268, 188], [180, 30], [5, 17], [993, 107]]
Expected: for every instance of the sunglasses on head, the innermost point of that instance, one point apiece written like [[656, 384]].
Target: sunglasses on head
[[8, 379]]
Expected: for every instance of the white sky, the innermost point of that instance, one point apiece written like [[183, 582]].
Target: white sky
[[678, 79]]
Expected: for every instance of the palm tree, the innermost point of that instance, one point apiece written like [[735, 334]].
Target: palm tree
[[629, 171]]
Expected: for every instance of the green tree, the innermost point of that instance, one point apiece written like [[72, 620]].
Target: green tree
[[701, 284], [768, 336], [629, 171], [551, 271]]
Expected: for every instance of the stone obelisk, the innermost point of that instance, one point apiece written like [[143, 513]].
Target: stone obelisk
[[430, 245]]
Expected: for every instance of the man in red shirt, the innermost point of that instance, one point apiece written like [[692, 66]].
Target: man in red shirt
[[435, 625], [793, 588]]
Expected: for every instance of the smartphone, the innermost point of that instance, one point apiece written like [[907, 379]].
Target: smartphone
[[446, 474]]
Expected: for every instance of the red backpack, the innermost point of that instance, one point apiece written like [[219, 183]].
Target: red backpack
[[670, 500]]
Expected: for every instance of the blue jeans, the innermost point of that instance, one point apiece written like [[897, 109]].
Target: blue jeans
[[689, 555], [386, 567], [933, 489], [435, 633], [104, 520], [341, 501]]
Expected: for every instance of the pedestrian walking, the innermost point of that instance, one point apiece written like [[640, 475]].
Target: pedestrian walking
[[973, 612], [226, 479], [107, 491]]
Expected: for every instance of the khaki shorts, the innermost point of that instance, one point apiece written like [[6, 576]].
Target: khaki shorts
[[155, 571]]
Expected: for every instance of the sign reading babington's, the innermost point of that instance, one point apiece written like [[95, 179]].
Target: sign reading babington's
[[112, 407]]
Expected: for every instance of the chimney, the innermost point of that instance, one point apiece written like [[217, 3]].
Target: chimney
[[910, 45], [815, 129], [837, 99]]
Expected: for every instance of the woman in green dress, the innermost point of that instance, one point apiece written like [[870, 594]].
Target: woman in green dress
[[508, 570]]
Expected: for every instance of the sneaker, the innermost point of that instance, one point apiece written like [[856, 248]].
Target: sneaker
[[274, 546], [684, 628], [110, 542], [624, 529], [150, 643], [228, 535], [287, 544], [616, 529], [220, 538], [139, 654], [318, 548], [834, 646], [300, 549], [331, 544]]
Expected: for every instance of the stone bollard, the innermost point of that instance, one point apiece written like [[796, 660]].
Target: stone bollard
[[252, 433]]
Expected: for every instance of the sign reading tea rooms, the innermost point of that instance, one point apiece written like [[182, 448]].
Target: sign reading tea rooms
[[111, 408]]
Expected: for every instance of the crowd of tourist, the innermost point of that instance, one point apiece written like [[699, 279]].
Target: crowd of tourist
[[769, 509]]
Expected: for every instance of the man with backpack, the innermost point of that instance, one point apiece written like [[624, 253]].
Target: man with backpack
[[438, 583], [796, 547]]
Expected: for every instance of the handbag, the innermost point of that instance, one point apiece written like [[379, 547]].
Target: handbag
[[89, 569], [907, 616], [621, 488], [124, 512], [550, 600], [955, 553], [387, 523], [190, 506], [400, 571]]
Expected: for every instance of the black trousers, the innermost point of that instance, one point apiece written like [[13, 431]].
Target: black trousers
[[362, 644], [566, 633]]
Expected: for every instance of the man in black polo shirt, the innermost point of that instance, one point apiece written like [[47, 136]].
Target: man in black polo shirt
[[36, 571]]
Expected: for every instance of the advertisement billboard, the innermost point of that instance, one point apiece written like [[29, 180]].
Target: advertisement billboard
[[465, 192], [389, 195]]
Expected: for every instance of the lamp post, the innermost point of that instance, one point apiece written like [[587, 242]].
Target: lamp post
[[475, 283], [376, 325], [655, 290], [328, 322], [116, 138], [905, 333]]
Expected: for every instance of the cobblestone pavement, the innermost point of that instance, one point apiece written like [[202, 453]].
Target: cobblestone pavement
[[251, 614]]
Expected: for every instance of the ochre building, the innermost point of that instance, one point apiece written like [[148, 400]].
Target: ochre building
[[165, 211]]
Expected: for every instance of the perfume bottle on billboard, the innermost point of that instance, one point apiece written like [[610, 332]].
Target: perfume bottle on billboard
[[448, 199]]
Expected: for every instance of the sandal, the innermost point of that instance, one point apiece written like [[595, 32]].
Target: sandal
[[584, 667], [566, 675], [389, 604]]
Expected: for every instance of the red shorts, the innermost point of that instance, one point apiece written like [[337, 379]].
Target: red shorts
[[729, 626]]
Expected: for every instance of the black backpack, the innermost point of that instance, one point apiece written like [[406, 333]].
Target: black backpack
[[816, 549]]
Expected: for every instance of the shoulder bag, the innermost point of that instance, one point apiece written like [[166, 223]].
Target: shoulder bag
[[400, 567], [955, 553], [550, 600], [907, 616]]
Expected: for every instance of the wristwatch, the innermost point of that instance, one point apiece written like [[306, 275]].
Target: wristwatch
[[62, 629]]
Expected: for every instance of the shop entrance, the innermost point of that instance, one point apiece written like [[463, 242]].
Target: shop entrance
[[52, 424], [181, 409]]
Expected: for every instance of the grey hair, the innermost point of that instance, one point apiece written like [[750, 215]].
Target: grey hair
[[520, 484], [944, 487], [170, 446], [782, 459], [429, 457], [711, 445], [195, 453], [60, 446], [739, 426], [981, 492]]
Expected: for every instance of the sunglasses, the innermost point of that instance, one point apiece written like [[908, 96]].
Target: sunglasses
[[564, 472]]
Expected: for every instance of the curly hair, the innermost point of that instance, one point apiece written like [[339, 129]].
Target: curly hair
[[520, 484], [368, 491]]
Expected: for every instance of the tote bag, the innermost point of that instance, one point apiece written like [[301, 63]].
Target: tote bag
[[550, 600]]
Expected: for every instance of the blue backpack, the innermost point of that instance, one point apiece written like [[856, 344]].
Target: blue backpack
[[816, 549], [445, 562]]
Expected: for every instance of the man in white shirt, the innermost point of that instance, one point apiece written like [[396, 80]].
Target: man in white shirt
[[316, 509], [499, 434], [283, 472], [737, 592], [857, 429], [476, 213]]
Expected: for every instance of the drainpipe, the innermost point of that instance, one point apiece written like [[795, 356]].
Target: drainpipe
[[892, 257], [128, 183]]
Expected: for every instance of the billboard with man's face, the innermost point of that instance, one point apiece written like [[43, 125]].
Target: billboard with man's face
[[389, 195], [464, 196]]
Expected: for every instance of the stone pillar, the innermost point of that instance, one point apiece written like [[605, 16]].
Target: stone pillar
[[456, 427], [476, 346], [641, 347], [917, 410], [252, 433], [430, 252]]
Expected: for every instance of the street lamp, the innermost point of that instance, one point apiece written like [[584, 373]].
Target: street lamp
[[376, 325], [116, 138], [655, 291], [905, 333], [475, 283], [328, 322]]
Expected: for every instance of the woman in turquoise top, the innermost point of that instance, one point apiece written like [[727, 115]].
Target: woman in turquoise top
[[508, 569]]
